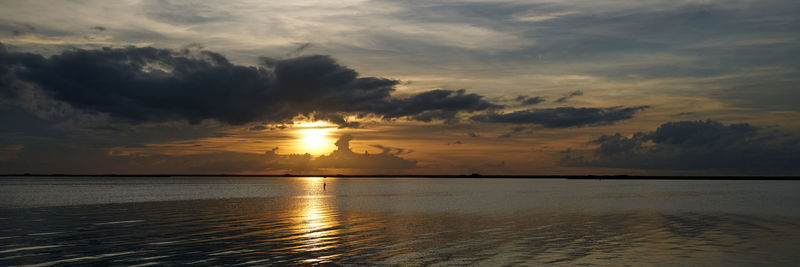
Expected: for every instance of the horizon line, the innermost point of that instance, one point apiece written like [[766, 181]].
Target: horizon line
[[473, 175]]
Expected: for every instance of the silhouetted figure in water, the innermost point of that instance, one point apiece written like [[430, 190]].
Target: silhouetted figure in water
[[324, 185]]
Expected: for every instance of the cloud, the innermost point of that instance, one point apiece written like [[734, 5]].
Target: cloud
[[514, 130], [392, 150], [567, 97], [184, 12], [341, 158], [563, 117], [153, 85], [68, 158], [697, 145], [437, 104], [258, 128], [529, 101], [17, 32], [344, 158], [288, 162], [300, 48]]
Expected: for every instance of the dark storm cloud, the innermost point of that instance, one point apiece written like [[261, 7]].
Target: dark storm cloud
[[567, 97], [152, 85], [697, 145], [437, 104], [10, 64], [563, 117]]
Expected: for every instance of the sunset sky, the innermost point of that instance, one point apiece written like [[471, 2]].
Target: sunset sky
[[654, 87]]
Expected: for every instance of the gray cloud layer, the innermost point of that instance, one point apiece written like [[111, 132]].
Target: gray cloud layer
[[697, 145], [149, 84], [563, 117]]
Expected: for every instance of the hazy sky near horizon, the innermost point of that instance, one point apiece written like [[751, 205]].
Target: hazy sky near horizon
[[501, 87]]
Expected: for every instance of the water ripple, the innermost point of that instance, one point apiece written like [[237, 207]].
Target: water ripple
[[349, 230]]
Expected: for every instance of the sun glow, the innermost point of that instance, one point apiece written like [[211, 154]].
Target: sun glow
[[315, 137]]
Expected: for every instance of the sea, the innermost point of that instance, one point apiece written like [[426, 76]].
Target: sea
[[396, 221]]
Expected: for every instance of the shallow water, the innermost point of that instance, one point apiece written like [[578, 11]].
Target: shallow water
[[397, 221]]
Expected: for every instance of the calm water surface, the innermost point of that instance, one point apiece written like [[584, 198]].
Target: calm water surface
[[398, 221]]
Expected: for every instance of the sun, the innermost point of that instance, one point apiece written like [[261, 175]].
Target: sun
[[315, 138]]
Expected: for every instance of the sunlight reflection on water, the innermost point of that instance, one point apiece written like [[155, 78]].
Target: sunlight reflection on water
[[318, 227], [422, 222]]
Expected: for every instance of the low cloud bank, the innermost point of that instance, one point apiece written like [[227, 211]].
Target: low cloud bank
[[342, 158], [697, 145]]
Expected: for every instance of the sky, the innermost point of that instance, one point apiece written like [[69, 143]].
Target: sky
[[653, 87]]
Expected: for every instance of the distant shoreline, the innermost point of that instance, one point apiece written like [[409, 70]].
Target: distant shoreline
[[577, 177]]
